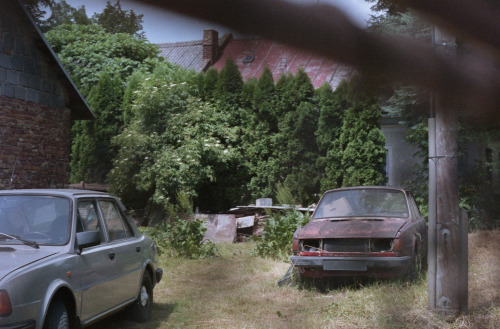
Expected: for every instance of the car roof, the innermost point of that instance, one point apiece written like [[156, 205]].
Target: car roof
[[58, 192]]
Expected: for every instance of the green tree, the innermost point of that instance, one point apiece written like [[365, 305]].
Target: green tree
[[332, 105], [391, 7], [117, 20], [177, 142], [92, 153], [296, 135], [63, 13], [228, 92], [358, 156], [209, 84], [34, 7], [406, 24], [264, 101], [100, 63], [331, 109], [87, 50], [259, 141], [129, 96]]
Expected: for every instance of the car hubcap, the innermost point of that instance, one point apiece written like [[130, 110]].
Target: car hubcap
[[144, 296]]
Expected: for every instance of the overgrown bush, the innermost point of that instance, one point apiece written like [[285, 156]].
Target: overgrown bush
[[276, 241], [182, 238]]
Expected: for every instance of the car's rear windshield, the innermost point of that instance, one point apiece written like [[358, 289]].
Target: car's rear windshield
[[362, 203], [39, 218]]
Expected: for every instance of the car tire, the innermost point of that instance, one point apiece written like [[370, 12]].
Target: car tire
[[143, 306], [57, 316]]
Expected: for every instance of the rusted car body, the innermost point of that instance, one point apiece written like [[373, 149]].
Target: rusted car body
[[375, 232]]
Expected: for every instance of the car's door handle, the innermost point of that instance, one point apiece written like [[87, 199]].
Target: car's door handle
[[138, 248], [111, 255]]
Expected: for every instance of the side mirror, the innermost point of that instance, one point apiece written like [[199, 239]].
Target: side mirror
[[87, 239]]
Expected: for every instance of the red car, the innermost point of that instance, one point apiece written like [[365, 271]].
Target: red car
[[375, 232]]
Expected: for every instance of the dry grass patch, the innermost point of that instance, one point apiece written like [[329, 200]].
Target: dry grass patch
[[238, 290]]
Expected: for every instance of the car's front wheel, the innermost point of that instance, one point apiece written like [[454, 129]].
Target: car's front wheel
[[143, 306], [57, 316]]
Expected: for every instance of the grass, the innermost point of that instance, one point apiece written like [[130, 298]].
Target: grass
[[238, 290]]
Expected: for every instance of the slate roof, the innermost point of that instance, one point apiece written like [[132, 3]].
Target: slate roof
[[186, 54], [281, 59], [75, 101]]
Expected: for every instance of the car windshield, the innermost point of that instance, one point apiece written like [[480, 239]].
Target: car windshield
[[362, 203], [34, 218]]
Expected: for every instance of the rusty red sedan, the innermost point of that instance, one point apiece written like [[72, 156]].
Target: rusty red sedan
[[375, 232]]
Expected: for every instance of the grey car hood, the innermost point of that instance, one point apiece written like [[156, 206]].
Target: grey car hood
[[13, 257]]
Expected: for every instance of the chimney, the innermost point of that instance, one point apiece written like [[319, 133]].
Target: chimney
[[210, 45]]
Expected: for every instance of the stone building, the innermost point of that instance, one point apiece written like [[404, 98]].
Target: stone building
[[38, 104]]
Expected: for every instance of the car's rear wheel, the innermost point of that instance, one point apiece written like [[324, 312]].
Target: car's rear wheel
[[57, 316], [416, 265], [143, 305]]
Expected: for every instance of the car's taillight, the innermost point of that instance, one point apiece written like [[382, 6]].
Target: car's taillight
[[295, 241], [398, 245], [295, 244], [5, 306]]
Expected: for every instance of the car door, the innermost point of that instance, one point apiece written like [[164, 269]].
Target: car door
[[96, 264], [128, 254]]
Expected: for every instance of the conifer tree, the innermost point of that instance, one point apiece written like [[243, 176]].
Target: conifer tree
[[92, 152], [332, 105], [297, 147], [331, 112], [264, 101], [117, 20], [209, 84], [259, 140], [228, 92], [357, 157]]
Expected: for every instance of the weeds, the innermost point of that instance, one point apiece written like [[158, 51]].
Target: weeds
[[276, 241], [180, 237], [237, 290], [183, 238]]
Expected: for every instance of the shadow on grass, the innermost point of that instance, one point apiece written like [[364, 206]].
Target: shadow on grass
[[119, 320], [327, 284]]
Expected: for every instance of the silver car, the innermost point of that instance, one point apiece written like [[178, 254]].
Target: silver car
[[71, 257]]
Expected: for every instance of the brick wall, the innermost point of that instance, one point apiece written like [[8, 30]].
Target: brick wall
[[34, 123], [39, 137]]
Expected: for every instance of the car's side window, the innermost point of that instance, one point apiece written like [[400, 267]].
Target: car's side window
[[87, 217], [116, 225], [414, 207]]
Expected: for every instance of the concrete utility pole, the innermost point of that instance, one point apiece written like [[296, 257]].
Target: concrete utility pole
[[447, 258]]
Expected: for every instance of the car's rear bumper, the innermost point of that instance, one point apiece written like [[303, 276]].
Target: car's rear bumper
[[369, 266]]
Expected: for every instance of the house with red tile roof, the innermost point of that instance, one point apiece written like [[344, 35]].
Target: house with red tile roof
[[252, 55]]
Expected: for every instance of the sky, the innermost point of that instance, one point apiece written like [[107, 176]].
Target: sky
[[162, 26]]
